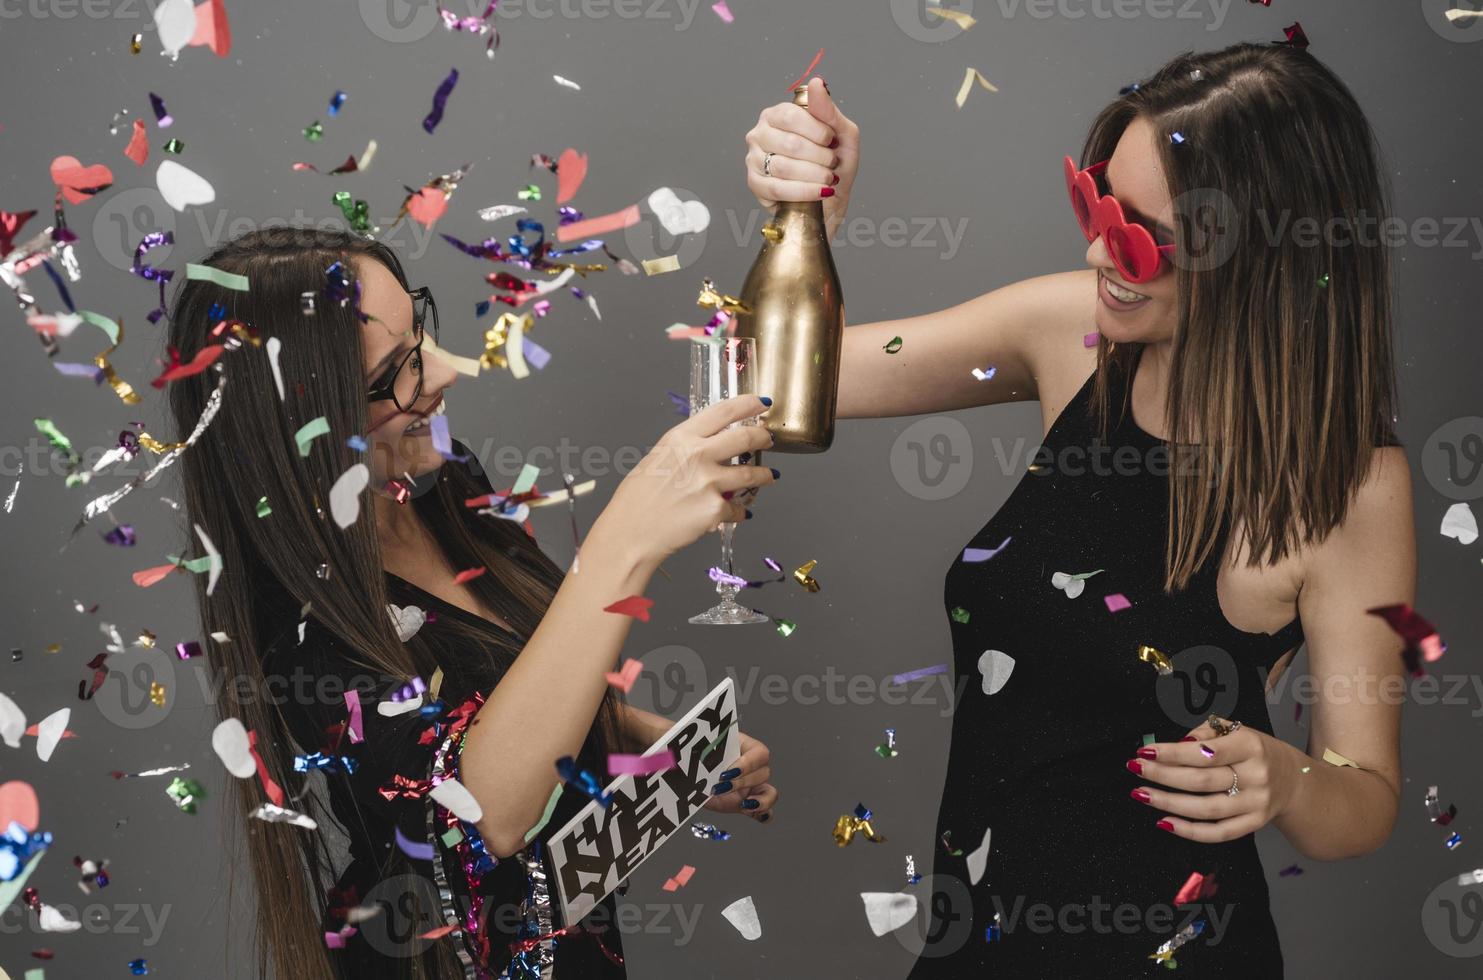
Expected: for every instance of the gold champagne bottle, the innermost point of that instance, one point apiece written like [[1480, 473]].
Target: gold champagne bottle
[[797, 318]]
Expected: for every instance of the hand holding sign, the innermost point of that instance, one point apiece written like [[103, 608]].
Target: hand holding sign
[[744, 787]]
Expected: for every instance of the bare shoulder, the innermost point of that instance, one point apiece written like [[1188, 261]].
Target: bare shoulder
[[1055, 350]]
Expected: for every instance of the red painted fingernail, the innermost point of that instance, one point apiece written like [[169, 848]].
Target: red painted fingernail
[[1141, 795], [1189, 738], [1135, 766], [1165, 825], [726, 494], [826, 192], [1148, 752], [835, 143], [834, 181]]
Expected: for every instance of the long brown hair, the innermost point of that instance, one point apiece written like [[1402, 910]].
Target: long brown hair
[[249, 453], [1281, 363]]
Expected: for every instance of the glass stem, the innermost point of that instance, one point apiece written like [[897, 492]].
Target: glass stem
[[725, 589]]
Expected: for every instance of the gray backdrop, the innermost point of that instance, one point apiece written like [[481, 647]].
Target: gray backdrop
[[950, 203]]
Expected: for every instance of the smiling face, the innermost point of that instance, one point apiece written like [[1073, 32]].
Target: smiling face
[[1148, 312], [400, 439]]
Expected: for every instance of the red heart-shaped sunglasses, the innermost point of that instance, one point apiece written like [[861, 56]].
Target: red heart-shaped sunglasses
[[1135, 253]]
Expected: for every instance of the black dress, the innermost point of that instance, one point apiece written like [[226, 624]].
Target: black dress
[[1082, 880], [379, 872]]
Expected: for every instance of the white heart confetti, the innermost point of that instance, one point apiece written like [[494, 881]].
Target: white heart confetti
[[52, 920], [176, 22], [1072, 585], [678, 217], [390, 709], [12, 722], [995, 666], [743, 915], [345, 494], [230, 741], [1460, 523], [181, 186], [888, 911], [407, 620]]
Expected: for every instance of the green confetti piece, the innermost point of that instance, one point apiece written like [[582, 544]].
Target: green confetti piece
[[103, 323], [1085, 575], [1148, 738], [185, 793], [885, 751], [36, 974], [314, 132], [226, 280], [786, 627], [721, 737], [54, 435], [174, 146], [546, 816], [452, 837], [960, 615], [263, 510], [526, 480], [197, 565], [312, 430], [1323, 281], [893, 345], [532, 192]]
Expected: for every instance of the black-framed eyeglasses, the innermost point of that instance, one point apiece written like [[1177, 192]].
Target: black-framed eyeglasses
[[424, 313]]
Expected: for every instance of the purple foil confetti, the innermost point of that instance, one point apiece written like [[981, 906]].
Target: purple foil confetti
[[75, 369], [923, 672], [442, 441], [161, 116], [982, 554], [188, 650], [415, 850], [440, 100], [535, 355], [121, 536]]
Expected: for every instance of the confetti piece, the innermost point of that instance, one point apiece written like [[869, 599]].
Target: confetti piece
[[848, 825], [526, 480], [454, 797], [571, 170], [622, 764], [212, 29], [566, 82], [345, 494], [1460, 523], [623, 679], [1456, 14], [440, 101], [811, 66], [226, 280], [978, 859], [922, 672], [887, 749], [1421, 638], [984, 375], [182, 187], [310, 431], [273, 813], [661, 265], [995, 666], [49, 732], [681, 878], [1116, 602], [1157, 658], [958, 17], [888, 911], [176, 22], [204, 358], [416, 850], [77, 182], [213, 557], [601, 224], [186, 793], [723, 11], [138, 148], [545, 814], [1290, 871], [983, 554], [1072, 585], [1335, 759], [274, 347], [1090, 340], [635, 605], [407, 620], [786, 626], [679, 217], [1434, 809], [500, 211], [468, 574], [969, 77], [229, 740], [892, 346], [802, 575], [742, 914]]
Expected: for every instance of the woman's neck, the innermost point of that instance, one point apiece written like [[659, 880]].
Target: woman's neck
[[1151, 388], [403, 539]]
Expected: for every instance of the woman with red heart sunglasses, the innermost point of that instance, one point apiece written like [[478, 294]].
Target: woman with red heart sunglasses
[[1119, 619]]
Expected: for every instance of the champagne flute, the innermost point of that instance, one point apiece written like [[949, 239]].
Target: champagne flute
[[721, 368]]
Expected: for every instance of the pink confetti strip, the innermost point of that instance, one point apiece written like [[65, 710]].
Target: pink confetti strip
[[352, 703], [622, 764], [723, 11], [601, 224], [1116, 602]]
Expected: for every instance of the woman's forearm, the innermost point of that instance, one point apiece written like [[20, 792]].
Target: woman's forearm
[[544, 706], [1337, 812], [641, 728]]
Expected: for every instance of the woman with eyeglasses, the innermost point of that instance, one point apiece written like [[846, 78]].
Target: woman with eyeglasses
[[421, 638], [1218, 485]]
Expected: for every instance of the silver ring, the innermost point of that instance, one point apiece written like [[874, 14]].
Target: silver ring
[[766, 165], [1234, 788]]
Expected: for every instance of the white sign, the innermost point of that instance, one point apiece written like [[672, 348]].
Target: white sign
[[601, 846]]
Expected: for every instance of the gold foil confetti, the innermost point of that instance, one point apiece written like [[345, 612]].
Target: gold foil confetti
[[848, 825], [497, 337], [802, 575], [1157, 658], [972, 75], [157, 694], [772, 233], [661, 265], [709, 297], [1335, 759], [958, 17]]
